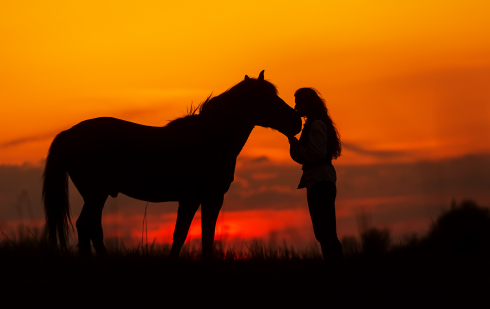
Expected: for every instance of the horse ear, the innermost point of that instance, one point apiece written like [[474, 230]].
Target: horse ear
[[261, 75], [246, 77]]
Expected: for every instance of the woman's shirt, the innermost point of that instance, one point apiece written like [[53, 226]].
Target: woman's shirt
[[315, 154]]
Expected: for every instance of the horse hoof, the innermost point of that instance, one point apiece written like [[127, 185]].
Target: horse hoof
[[84, 254], [102, 254], [173, 256], [207, 258]]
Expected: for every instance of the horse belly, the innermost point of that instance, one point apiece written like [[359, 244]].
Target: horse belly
[[153, 187]]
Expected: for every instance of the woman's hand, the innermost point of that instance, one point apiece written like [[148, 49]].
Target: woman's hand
[[294, 149]]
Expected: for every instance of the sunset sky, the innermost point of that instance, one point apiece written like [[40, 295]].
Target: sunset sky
[[407, 83]]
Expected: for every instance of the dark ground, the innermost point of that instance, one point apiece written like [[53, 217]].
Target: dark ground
[[447, 268], [394, 280]]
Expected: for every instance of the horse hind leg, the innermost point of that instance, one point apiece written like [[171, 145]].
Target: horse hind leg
[[89, 226]]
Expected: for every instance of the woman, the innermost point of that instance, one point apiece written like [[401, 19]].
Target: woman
[[318, 145]]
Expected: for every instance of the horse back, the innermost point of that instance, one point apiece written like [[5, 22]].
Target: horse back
[[108, 134], [122, 156]]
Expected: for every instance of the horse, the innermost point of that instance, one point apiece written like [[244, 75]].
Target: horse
[[190, 160]]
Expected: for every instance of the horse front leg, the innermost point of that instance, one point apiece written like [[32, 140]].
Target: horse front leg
[[209, 214], [185, 214]]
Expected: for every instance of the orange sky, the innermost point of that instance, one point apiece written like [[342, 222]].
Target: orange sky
[[404, 80], [398, 76]]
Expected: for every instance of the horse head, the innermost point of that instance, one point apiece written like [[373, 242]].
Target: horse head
[[267, 109]]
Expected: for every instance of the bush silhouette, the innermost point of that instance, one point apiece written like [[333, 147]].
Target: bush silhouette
[[462, 229], [350, 246], [375, 241]]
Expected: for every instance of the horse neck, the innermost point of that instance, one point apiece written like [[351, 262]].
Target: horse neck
[[230, 136], [241, 138]]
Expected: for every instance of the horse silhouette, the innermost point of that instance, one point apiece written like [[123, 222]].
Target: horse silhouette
[[190, 160]]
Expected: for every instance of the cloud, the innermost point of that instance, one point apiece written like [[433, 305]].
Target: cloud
[[27, 139], [442, 180], [396, 195], [16, 181], [402, 196], [380, 154], [133, 113]]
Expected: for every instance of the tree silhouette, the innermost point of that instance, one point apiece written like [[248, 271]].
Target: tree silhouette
[[464, 228]]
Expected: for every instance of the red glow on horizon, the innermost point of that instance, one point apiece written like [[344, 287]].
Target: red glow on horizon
[[250, 224]]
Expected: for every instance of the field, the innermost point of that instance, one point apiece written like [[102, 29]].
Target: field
[[428, 272]]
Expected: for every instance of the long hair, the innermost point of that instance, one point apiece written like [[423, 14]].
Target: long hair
[[317, 110]]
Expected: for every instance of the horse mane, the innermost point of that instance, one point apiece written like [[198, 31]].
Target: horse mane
[[218, 102]]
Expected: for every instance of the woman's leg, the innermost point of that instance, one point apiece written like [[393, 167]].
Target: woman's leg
[[321, 203]]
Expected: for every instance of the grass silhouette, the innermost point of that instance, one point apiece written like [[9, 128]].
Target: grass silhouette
[[431, 271]]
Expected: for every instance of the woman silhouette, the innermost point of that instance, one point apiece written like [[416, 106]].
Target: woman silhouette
[[318, 145]]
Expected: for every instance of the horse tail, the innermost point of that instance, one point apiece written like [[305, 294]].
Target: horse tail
[[55, 194]]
